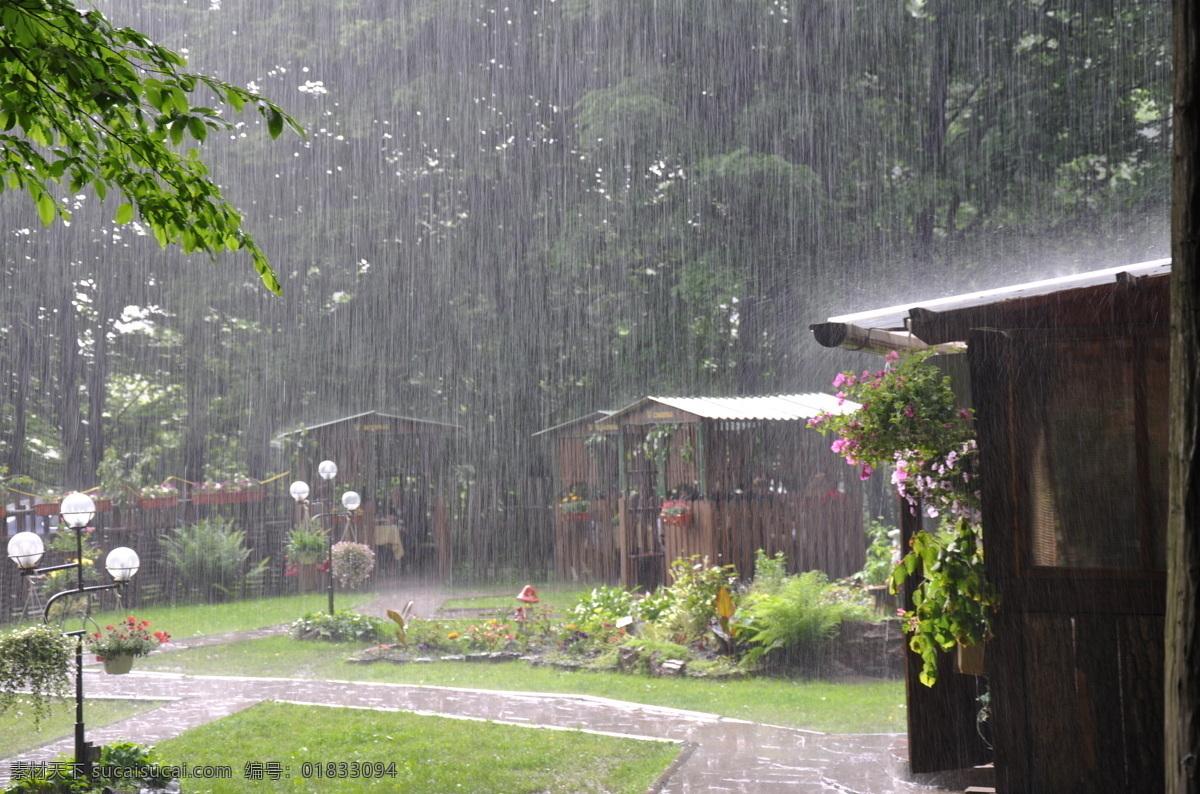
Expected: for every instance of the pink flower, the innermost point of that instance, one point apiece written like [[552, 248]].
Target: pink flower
[[866, 472], [909, 412], [840, 379], [892, 356]]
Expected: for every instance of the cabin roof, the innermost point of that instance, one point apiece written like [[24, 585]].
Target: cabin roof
[[592, 418], [374, 415], [945, 320], [774, 408]]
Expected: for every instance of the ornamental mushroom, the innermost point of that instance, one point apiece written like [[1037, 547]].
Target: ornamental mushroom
[[527, 596]]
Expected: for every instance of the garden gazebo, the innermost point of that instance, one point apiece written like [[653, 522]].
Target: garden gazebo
[[745, 473], [1069, 383], [400, 466]]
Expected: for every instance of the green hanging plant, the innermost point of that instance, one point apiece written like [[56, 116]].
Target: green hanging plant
[[908, 420], [35, 668]]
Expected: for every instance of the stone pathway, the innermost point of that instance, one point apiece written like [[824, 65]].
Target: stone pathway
[[720, 754]]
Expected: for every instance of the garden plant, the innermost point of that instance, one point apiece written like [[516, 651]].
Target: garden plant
[[909, 421]]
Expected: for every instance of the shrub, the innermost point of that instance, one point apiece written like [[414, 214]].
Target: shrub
[[883, 552], [604, 604], [693, 596], [792, 624], [210, 559], [342, 626], [653, 606]]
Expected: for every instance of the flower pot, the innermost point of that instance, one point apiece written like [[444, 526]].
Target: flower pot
[[577, 516], [226, 497], [119, 664], [158, 502], [678, 520], [968, 659], [308, 577], [48, 509], [103, 505]]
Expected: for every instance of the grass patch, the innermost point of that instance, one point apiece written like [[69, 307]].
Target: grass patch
[[867, 706], [17, 734], [201, 620], [486, 757]]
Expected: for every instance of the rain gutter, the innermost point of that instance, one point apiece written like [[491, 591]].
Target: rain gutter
[[870, 340]]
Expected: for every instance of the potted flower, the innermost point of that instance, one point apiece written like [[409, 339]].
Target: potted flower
[[51, 504], [676, 513], [161, 496], [574, 507], [306, 546], [908, 420], [238, 488], [118, 645], [352, 563], [35, 668]]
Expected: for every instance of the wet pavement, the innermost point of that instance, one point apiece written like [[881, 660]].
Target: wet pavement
[[719, 754]]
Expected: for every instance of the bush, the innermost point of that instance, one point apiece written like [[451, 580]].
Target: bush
[[140, 770], [604, 605], [883, 552], [210, 559], [693, 596], [342, 626], [792, 625]]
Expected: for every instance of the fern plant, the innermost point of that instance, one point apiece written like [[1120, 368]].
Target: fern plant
[[794, 621], [211, 559]]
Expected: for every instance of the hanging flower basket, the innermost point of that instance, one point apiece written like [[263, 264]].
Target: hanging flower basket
[[48, 509], [119, 664], [158, 502], [676, 514], [103, 505], [577, 516]]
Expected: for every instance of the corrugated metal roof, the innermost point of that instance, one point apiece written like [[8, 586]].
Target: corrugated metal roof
[[773, 408], [891, 324], [372, 413], [594, 416]]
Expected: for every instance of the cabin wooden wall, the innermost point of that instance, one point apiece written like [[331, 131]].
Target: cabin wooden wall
[[813, 534], [1076, 665]]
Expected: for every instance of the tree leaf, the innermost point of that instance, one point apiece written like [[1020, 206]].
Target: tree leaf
[[124, 213]]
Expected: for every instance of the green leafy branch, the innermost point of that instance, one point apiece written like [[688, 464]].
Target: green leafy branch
[[103, 107]]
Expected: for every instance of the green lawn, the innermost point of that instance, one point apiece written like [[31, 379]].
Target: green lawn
[[867, 706], [17, 733], [320, 749], [201, 620]]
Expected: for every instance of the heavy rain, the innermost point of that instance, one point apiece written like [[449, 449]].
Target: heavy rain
[[548, 280]]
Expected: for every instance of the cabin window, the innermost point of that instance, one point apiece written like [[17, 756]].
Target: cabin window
[[1097, 478]]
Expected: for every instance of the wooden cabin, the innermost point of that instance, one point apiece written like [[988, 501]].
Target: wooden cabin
[[1069, 380], [747, 471], [400, 466]]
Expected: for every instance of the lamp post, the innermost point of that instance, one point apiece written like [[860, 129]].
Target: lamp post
[[350, 501], [26, 549]]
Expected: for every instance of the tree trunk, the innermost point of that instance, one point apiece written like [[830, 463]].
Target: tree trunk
[[1182, 689]]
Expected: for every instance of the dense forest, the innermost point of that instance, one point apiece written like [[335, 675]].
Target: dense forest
[[509, 216]]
